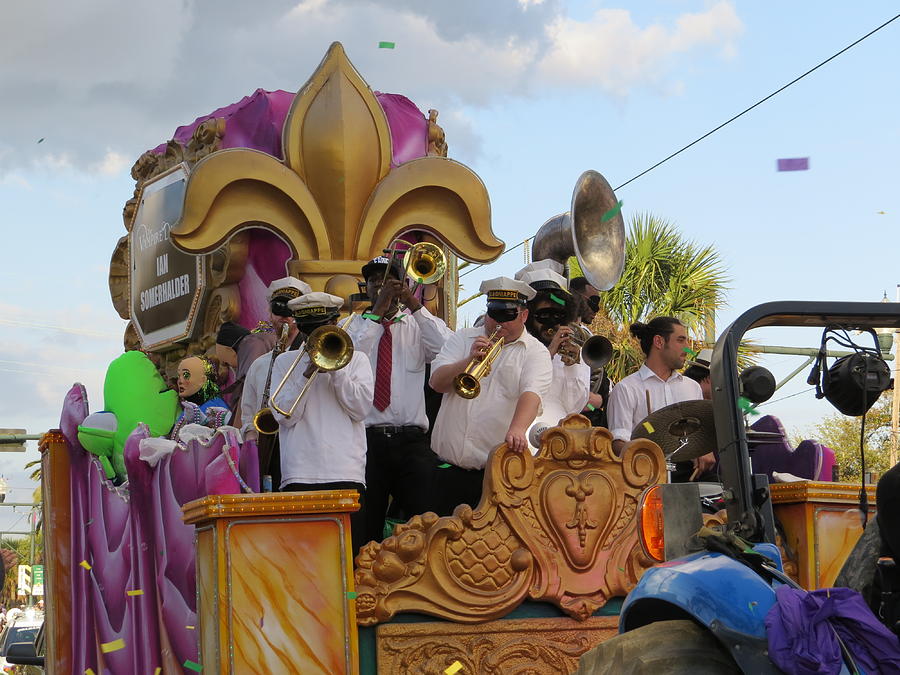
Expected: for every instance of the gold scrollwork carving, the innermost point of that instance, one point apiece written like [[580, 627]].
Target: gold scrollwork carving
[[558, 527]]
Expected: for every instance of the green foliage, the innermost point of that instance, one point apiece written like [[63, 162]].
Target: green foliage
[[841, 434], [664, 275]]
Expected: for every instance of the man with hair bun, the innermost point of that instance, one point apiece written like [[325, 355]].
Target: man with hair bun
[[656, 384]]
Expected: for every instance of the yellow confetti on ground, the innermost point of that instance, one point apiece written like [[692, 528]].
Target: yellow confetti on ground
[[189, 627], [85, 564], [648, 427], [454, 668], [113, 646], [137, 592]]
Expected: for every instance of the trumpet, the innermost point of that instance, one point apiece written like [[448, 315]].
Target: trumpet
[[595, 350], [467, 384], [329, 348], [264, 421]]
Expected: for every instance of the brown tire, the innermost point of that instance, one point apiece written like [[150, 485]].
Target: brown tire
[[659, 648]]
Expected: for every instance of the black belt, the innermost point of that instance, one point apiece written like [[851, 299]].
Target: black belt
[[389, 430]]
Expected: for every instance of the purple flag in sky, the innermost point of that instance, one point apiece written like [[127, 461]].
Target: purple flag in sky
[[794, 164]]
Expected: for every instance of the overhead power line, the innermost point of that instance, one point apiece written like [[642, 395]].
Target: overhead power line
[[759, 102]]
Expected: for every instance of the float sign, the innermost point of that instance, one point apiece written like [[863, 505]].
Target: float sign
[[167, 284]]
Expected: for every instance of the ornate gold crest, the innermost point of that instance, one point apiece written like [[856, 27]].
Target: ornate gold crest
[[559, 527]]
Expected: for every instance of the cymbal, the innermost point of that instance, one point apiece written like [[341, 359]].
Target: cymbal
[[684, 430]]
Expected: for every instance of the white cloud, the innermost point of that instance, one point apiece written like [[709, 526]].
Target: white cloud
[[612, 52], [103, 81]]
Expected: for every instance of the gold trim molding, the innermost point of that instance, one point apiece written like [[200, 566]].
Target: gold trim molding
[[814, 491], [559, 527]]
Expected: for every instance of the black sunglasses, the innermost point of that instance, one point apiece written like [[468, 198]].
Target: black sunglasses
[[549, 316], [594, 302], [279, 306]]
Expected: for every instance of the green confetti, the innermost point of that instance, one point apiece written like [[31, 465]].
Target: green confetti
[[443, 466], [590, 407], [747, 407], [351, 595], [690, 352], [196, 667], [557, 300], [612, 213], [386, 45]]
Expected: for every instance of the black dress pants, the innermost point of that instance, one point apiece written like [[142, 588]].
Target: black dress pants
[[399, 464], [357, 519], [454, 486]]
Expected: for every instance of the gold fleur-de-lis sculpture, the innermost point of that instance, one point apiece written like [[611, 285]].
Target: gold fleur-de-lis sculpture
[[334, 197]]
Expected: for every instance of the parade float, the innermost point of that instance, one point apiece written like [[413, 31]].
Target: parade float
[[168, 559]]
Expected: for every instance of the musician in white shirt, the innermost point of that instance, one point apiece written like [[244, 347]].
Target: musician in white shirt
[[253, 365], [323, 443], [656, 384], [550, 312], [467, 430], [399, 460]]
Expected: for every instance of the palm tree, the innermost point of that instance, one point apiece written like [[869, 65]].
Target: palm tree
[[665, 275]]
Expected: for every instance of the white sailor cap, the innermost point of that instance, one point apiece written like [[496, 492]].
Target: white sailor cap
[[703, 359], [545, 264], [541, 276], [315, 307], [505, 290], [289, 287]]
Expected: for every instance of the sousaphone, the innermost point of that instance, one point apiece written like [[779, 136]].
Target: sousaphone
[[599, 247]]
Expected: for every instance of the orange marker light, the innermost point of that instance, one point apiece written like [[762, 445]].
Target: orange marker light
[[652, 530]]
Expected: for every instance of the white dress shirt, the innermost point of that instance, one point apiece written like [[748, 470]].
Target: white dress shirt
[[467, 430], [254, 382], [324, 441], [628, 399], [417, 338], [568, 393]]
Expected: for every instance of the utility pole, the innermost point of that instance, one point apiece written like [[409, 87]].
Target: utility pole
[[895, 407]]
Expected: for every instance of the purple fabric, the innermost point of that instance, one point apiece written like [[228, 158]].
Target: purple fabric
[[134, 539], [826, 473], [256, 122], [409, 129], [794, 164], [801, 642], [253, 122], [267, 258]]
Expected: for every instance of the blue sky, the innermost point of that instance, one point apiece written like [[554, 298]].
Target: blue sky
[[530, 94]]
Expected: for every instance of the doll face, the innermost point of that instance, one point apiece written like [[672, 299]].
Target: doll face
[[191, 376]]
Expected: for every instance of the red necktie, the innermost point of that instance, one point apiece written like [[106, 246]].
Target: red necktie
[[382, 398]]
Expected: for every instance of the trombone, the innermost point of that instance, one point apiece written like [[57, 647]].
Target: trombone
[[329, 348], [423, 262], [467, 384]]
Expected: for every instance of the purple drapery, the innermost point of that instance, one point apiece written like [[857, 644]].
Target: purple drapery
[[133, 539]]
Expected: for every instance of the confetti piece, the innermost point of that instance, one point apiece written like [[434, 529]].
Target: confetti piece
[[386, 45], [89, 522], [189, 627], [649, 427], [621, 569], [794, 164], [41, 140], [157, 671], [89, 671], [690, 352], [747, 407], [443, 466], [114, 646], [85, 564], [351, 595], [136, 592], [590, 407], [752, 605], [193, 666], [454, 668], [612, 213]]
